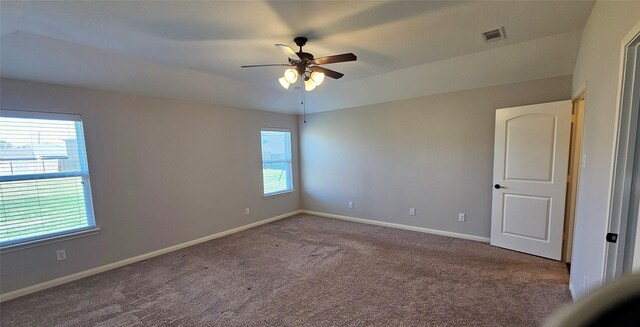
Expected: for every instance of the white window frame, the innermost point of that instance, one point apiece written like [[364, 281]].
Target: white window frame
[[293, 188], [91, 228]]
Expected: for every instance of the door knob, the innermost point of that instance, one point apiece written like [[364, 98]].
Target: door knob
[[497, 186]]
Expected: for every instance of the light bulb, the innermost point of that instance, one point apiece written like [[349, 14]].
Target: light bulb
[[317, 77], [309, 85], [291, 75], [283, 82]]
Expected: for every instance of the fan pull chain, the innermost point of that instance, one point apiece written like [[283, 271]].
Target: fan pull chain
[[303, 103]]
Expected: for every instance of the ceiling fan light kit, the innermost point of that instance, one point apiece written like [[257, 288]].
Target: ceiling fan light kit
[[309, 85], [284, 82], [291, 75], [306, 66], [317, 77]]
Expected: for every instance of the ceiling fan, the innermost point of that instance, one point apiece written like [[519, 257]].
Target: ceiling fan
[[306, 66]]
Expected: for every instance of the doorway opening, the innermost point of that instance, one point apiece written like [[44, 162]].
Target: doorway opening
[[573, 174]]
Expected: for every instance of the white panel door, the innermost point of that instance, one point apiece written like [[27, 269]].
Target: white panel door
[[530, 165]]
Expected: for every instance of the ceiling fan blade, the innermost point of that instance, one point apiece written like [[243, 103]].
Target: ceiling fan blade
[[327, 72], [335, 59], [267, 65], [288, 51]]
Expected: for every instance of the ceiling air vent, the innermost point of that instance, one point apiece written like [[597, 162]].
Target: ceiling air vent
[[494, 35]]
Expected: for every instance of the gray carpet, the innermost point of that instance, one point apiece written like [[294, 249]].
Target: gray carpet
[[310, 271]]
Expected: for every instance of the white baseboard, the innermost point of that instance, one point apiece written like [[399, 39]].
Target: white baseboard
[[86, 273], [400, 226], [69, 278], [573, 292]]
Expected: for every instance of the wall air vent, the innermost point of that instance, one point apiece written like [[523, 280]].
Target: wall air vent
[[494, 35]]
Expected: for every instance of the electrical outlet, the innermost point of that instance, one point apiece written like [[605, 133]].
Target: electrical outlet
[[61, 255], [584, 161], [247, 211], [584, 283], [412, 211], [461, 216], [350, 205]]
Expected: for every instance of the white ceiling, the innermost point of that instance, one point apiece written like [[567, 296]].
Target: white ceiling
[[193, 50]]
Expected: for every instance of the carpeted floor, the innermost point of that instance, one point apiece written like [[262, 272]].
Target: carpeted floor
[[310, 271]]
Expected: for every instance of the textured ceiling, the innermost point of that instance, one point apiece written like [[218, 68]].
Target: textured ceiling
[[193, 50]]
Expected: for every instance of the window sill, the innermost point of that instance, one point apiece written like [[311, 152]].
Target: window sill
[[270, 195], [49, 240]]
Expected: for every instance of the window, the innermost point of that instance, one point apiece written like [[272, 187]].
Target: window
[[44, 177], [277, 173]]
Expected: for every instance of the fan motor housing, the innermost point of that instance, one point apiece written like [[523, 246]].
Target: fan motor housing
[[306, 59], [305, 56]]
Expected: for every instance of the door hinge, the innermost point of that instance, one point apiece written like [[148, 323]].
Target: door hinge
[[612, 237]]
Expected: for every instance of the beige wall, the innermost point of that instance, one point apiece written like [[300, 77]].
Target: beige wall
[[597, 68], [432, 153], [163, 172]]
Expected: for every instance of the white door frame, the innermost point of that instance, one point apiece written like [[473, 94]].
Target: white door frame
[[623, 160], [571, 224]]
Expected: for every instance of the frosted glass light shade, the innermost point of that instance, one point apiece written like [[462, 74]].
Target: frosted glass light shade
[[283, 82], [317, 77], [309, 85], [291, 75]]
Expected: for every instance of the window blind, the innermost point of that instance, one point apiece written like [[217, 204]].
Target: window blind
[[277, 172], [44, 177]]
